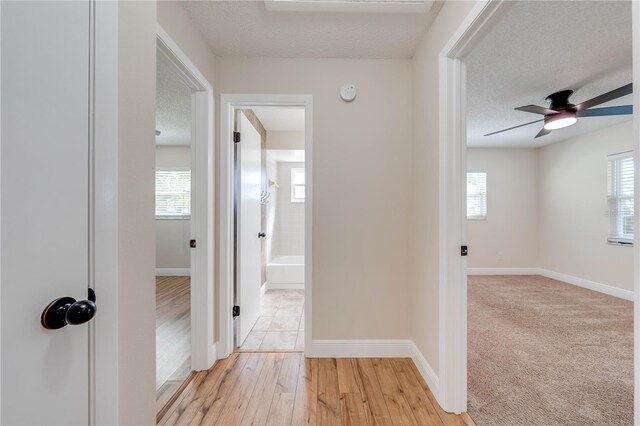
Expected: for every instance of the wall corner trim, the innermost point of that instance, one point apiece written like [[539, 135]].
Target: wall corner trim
[[427, 372], [173, 272], [213, 355]]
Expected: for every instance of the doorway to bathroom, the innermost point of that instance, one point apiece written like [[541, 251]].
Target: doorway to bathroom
[[269, 228], [265, 256]]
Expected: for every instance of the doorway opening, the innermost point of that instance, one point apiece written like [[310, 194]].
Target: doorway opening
[[265, 256], [184, 222], [173, 231], [454, 326], [550, 222], [269, 228]]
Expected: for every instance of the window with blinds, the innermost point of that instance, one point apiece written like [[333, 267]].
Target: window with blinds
[[620, 171], [476, 195], [173, 194]]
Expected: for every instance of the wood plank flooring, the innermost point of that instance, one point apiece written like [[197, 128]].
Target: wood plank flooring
[[289, 389], [173, 336]]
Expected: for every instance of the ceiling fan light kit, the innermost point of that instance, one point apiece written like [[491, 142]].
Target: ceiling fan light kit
[[560, 120], [561, 113]]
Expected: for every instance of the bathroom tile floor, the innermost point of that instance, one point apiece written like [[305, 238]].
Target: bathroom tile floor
[[281, 324]]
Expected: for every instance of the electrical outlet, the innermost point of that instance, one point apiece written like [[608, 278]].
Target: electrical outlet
[[500, 256]]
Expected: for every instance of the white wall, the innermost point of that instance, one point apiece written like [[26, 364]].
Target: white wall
[[137, 23], [547, 209], [288, 233], [136, 240], [574, 223], [272, 176], [277, 139], [172, 235], [361, 155], [424, 217], [508, 238]]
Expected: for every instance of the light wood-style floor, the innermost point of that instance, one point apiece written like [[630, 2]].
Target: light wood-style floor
[[173, 336], [287, 389]]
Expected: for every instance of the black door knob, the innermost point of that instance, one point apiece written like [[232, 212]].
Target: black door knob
[[66, 310], [261, 235]]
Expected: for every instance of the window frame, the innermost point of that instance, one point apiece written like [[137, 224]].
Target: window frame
[[619, 240], [486, 196], [295, 199], [174, 216]]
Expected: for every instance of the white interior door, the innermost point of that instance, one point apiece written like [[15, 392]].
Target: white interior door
[[249, 219], [44, 208]]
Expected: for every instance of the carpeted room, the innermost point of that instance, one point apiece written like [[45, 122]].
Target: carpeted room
[[550, 229]]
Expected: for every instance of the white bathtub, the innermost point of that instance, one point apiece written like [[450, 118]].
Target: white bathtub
[[286, 272]]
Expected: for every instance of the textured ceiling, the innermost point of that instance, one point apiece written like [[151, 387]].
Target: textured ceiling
[[538, 48], [173, 108], [281, 119], [246, 28]]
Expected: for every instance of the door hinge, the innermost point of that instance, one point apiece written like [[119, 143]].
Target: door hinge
[[464, 250], [236, 137], [236, 311], [192, 243]]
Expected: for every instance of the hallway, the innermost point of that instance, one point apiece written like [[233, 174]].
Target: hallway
[[287, 389]]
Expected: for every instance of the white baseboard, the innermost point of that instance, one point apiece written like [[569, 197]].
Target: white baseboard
[[377, 349], [359, 349], [569, 279], [503, 271], [213, 355], [280, 286], [591, 285], [263, 288], [173, 272], [426, 371]]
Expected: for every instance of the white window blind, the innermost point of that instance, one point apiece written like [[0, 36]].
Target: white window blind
[[173, 193], [297, 185], [620, 171], [476, 195]]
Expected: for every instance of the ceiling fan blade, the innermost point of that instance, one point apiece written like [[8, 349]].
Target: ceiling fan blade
[[543, 132], [601, 112], [535, 109], [609, 96], [514, 127]]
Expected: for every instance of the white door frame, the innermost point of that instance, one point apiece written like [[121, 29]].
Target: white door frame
[[636, 244], [103, 336], [229, 102], [203, 350], [452, 203]]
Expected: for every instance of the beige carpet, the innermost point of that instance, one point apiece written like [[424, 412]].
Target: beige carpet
[[543, 352]]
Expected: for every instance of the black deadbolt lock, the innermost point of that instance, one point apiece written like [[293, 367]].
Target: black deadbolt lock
[[66, 310], [464, 250]]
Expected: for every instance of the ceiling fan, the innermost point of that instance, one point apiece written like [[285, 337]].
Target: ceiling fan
[[561, 113]]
